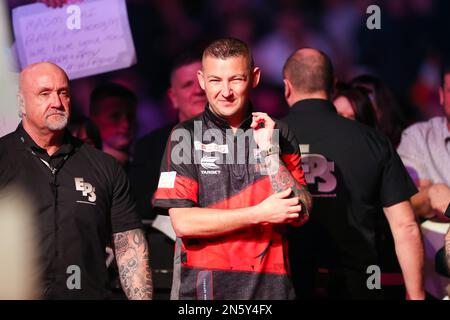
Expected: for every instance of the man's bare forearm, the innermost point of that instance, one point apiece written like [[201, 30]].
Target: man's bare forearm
[[281, 179], [409, 250], [210, 222], [408, 246], [132, 255]]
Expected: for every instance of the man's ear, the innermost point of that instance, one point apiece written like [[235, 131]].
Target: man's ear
[[172, 98], [256, 75], [287, 89], [201, 79], [21, 104]]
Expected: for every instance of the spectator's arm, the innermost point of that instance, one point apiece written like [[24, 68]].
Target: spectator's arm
[[408, 246]]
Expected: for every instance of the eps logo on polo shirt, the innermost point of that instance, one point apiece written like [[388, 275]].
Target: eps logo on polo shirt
[[86, 189], [317, 167]]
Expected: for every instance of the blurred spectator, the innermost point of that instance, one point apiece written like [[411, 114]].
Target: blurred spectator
[[113, 110], [84, 129], [188, 99], [397, 50], [389, 116], [149, 115], [425, 151], [423, 89], [290, 31], [340, 20], [354, 103]]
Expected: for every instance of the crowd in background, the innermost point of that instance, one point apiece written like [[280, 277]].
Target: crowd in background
[[405, 53]]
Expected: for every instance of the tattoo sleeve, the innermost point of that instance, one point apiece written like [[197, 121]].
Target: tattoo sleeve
[[281, 179], [132, 257], [447, 249]]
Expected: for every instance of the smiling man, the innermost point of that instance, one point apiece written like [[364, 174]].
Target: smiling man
[[81, 196], [230, 216]]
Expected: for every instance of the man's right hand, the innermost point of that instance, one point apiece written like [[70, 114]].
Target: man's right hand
[[279, 209], [439, 195]]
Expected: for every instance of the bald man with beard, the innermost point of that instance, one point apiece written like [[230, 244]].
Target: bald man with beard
[[81, 196]]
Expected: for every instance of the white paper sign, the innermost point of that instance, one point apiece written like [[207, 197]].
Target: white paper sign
[[163, 224], [9, 111], [90, 37], [9, 117]]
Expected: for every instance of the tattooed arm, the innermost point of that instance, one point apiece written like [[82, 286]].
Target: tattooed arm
[[133, 262], [280, 177]]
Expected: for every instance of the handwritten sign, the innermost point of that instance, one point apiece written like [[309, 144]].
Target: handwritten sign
[[9, 111], [102, 42], [9, 117]]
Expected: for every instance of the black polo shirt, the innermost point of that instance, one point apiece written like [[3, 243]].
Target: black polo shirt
[[352, 172], [81, 196]]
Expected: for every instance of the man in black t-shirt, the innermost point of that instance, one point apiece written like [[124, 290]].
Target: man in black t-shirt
[[81, 196], [354, 175]]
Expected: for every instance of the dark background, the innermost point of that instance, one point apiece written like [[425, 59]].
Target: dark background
[[406, 52]]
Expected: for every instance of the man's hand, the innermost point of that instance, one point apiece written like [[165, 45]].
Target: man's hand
[[439, 195], [278, 208], [263, 127], [133, 262], [57, 3]]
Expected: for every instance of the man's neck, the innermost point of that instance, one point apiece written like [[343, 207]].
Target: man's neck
[[120, 155], [235, 123], [302, 96], [236, 120], [49, 140]]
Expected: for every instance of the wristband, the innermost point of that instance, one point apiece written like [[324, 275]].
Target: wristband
[[273, 149]]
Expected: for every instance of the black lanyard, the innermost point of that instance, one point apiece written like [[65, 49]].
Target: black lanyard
[[53, 170]]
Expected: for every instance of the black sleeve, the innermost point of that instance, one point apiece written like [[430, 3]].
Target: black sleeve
[[396, 184], [123, 208]]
